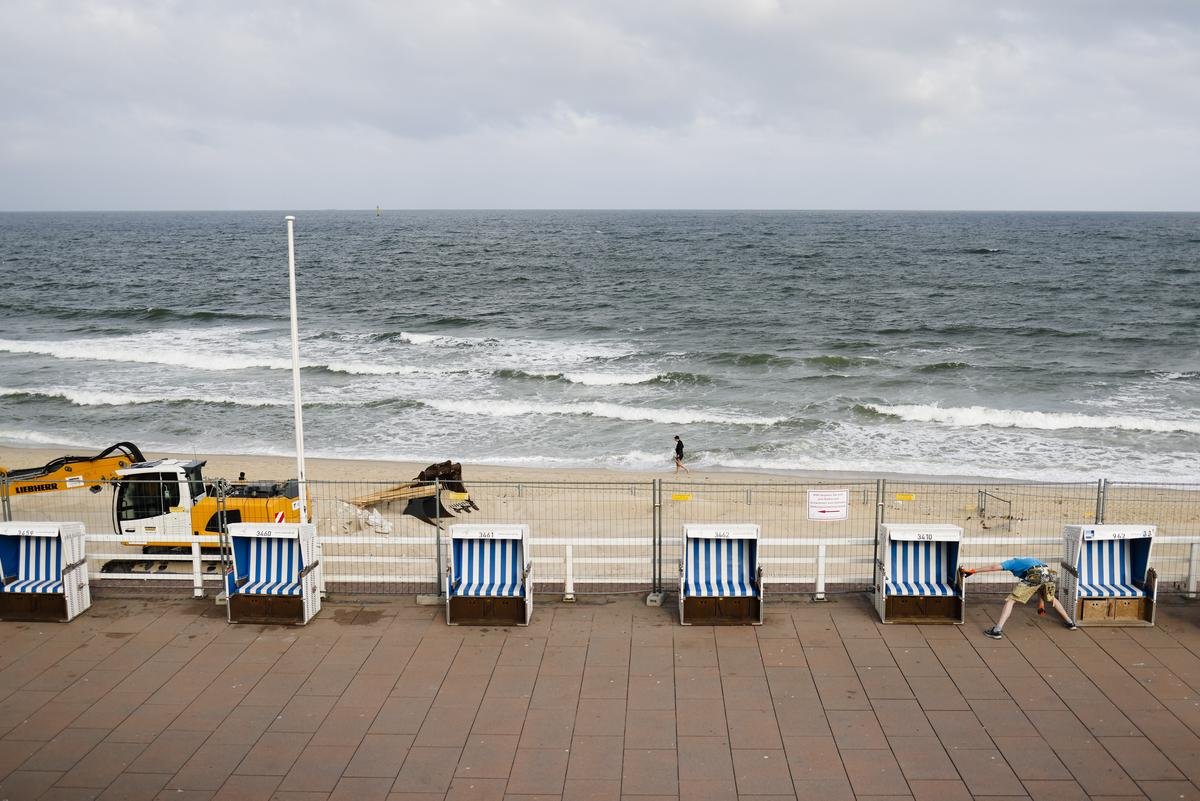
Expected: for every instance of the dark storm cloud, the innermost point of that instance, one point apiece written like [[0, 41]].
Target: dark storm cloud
[[733, 103]]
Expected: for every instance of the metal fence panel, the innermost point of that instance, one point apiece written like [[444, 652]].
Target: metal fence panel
[[797, 554], [1175, 510]]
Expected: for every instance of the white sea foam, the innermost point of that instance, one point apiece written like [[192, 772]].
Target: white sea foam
[[140, 350], [499, 408], [971, 416], [93, 398], [609, 379]]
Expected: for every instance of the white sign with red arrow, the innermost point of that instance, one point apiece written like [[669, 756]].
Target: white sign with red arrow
[[828, 504]]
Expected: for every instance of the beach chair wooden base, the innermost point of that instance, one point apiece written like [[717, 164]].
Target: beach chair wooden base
[[477, 611], [287, 610], [923, 609], [1114, 612], [35, 606], [722, 611]]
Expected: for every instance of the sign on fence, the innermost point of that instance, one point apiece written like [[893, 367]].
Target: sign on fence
[[828, 504]]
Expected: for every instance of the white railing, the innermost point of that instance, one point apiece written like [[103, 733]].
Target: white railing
[[808, 561]]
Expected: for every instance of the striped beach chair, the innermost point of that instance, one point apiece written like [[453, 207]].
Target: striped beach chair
[[720, 580], [1108, 579], [43, 572], [489, 578], [271, 575], [917, 573]]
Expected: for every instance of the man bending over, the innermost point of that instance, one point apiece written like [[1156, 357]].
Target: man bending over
[[1036, 579]]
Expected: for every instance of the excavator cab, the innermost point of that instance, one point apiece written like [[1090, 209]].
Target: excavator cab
[[154, 501]]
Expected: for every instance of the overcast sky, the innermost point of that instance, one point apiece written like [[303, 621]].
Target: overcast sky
[[922, 104]]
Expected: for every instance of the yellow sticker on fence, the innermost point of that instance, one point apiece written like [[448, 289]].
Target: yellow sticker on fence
[[905, 496], [681, 496]]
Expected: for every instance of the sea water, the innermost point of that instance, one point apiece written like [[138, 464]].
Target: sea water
[[1037, 346]]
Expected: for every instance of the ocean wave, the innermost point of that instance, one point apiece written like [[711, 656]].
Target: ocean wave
[[972, 416], [609, 379], [980, 251], [840, 361], [751, 359], [500, 408], [941, 366], [135, 352], [94, 398]]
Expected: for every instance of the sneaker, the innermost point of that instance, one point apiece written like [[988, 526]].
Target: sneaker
[[994, 633], [1070, 624]]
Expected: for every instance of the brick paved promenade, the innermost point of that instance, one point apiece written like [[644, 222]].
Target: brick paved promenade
[[162, 699]]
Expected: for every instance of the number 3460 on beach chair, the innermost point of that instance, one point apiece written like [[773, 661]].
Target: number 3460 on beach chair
[[489, 578]]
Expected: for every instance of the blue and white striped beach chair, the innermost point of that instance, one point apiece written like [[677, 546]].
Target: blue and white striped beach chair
[[1108, 579], [720, 580], [489, 578], [43, 572], [272, 573], [917, 573]]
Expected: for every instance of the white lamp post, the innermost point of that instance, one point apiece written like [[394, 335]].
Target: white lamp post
[[298, 409]]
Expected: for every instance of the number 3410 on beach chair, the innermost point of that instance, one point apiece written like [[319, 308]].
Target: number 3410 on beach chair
[[489, 578]]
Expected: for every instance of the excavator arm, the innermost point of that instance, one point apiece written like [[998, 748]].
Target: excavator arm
[[71, 472]]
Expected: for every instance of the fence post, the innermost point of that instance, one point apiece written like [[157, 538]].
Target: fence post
[[4, 507], [437, 537], [880, 490], [1193, 575], [220, 489], [569, 579], [819, 595], [1101, 487], [655, 598]]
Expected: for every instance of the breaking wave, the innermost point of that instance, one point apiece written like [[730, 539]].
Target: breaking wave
[[972, 416], [500, 408]]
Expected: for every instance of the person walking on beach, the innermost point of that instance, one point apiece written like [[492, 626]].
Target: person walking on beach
[[1035, 579], [679, 465]]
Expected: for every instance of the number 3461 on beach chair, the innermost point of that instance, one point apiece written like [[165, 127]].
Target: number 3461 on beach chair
[[489, 578]]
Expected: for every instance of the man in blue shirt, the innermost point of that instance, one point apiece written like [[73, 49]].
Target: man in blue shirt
[[1036, 579]]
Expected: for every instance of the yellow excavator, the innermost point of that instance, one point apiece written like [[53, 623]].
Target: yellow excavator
[[156, 504]]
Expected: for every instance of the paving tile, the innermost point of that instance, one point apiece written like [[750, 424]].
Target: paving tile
[[939, 791], [856, 729], [596, 758], [901, 718], [64, 750], [651, 692], [605, 682], [923, 759], [379, 756], [986, 772], [209, 767], [344, 725], [318, 768], [874, 772], [538, 771], [1170, 791], [959, 729], [761, 771], [650, 728], [1139, 758], [134, 787], [705, 759], [427, 770], [649, 772], [1055, 790], [497, 716], [27, 784], [361, 789], [145, 723], [937, 693], [600, 716], [274, 754], [1031, 758], [169, 752], [841, 692], [548, 728], [884, 682], [249, 788], [488, 756], [1097, 772]]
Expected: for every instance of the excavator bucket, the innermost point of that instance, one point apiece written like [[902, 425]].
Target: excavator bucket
[[421, 494]]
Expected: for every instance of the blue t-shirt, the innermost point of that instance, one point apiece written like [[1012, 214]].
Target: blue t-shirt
[[1019, 565]]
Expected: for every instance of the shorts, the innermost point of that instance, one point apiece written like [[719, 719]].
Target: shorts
[[1023, 592]]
